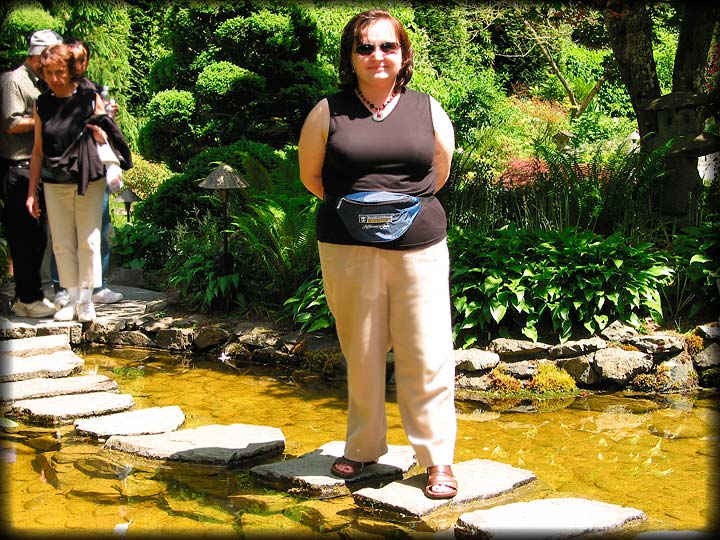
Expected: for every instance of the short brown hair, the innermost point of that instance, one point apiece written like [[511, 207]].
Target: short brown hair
[[60, 52], [351, 38]]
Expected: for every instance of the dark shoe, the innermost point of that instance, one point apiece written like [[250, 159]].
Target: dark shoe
[[355, 466], [440, 475]]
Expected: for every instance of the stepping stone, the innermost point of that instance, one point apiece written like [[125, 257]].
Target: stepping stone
[[56, 364], [23, 328], [35, 345], [309, 475], [478, 479], [139, 422], [58, 410], [545, 518], [231, 445], [46, 387]]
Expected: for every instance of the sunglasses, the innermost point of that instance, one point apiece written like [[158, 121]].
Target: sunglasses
[[387, 47]]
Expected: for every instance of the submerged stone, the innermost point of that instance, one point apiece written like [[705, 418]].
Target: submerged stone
[[309, 475], [48, 387], [55, 364], [140, 422], [545, 518], [229, 445], [36, 345], [478, 479], [58, 410]]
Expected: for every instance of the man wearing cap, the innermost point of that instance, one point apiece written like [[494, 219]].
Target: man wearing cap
[[26, 236]]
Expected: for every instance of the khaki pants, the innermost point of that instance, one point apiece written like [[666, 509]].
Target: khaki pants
[[75, 222], [386, 299]]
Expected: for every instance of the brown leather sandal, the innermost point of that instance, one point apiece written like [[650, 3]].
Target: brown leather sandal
[[356, 466], [440, 475]]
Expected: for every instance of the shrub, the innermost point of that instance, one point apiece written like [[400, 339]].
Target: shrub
[[695, 253], [259, 39], [164, 73], [503, 382], [145, 176], [567, 281], [229, 86], [694, 344], [650, 382], [308, 307], [710, 378], [168, 134], [19, 24], [196, 269], [139, 245], [180, 198], [550, 379]]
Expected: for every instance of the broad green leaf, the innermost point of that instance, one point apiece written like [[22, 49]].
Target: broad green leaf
[[498, 311]]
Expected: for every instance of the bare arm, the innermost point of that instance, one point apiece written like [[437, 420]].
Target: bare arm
[[311, 147], [444, 143], [36, 160], [22, 125]]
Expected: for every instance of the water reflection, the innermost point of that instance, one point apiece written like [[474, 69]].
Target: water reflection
[[657, 455]]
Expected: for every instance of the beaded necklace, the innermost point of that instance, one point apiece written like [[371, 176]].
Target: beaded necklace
[[377, 114]]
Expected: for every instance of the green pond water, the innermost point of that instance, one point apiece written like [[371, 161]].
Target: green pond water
[[656, 454]]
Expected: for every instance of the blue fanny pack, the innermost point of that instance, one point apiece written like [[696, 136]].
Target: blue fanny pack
[[378, 216]]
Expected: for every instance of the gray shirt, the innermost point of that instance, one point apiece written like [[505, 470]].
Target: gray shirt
[[18, 91]]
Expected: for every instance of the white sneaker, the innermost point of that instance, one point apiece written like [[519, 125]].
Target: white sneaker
[[85, 311], [62, 298], [65, 313], [106, 296], [36, 310]]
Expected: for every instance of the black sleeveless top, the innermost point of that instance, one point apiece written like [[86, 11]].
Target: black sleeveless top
[[393, 155], [63, 120]]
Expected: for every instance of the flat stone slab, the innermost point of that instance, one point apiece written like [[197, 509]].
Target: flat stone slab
[[58, 410], [21, 328], [545, 518], [139, 422], [48, 387], [56, 364], [226, 445], [309, 475], [32, 346], [478, 479]]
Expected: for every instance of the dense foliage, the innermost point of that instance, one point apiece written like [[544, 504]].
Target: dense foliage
[[553, 214]]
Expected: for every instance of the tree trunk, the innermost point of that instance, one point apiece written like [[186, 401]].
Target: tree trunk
[[696, 32], [679, 116], [630, 31]]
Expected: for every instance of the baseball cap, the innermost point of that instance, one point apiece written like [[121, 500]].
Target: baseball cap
[[42, 39]]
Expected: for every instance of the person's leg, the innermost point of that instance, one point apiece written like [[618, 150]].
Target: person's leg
[[60, 201], [421, 330], [353, 279], [104, 245], [26, 236], [88, 222], [102, 294], [54, 277]]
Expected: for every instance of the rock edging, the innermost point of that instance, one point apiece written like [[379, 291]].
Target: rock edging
[[619, 358]]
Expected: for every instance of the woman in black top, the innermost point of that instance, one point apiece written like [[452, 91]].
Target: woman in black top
[[376, 135], [65, 144]]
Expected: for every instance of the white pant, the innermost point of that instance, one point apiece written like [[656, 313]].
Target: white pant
[[386, 299], [75, 222]]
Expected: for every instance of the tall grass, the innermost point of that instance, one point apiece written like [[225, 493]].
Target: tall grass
[[607, 192]]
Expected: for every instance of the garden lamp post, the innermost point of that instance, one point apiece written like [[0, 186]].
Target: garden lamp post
[[128, 197], [224, 178]]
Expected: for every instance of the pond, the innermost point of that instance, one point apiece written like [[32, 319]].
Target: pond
[[656, 454]]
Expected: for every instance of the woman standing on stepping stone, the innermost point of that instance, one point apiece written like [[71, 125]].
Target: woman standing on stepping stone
[[376, 135]]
